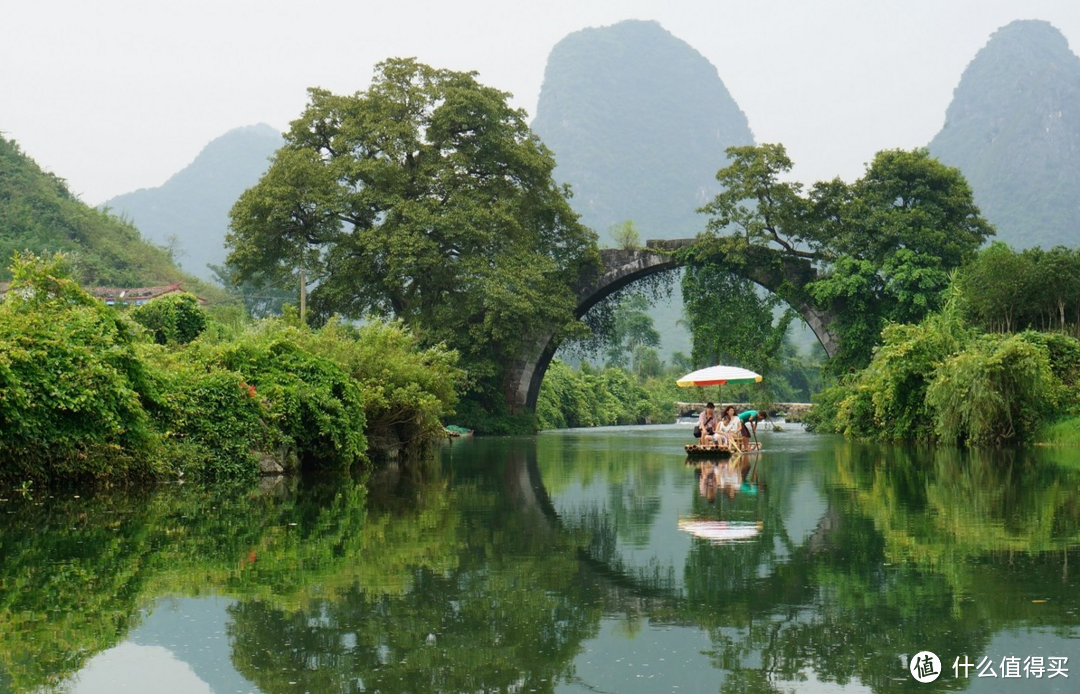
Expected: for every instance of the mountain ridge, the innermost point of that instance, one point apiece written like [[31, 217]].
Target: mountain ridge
[[1013, 129], [189, 213]]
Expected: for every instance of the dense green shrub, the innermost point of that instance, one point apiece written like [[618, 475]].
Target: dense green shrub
[[85, 393], [942, 380], [70, 381], [886, 400], [313, 402], [407, 389], [213, 420], [996, 390], [173, 318], [586, 397]]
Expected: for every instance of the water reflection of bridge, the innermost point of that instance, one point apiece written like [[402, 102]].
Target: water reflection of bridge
[[632, 592]]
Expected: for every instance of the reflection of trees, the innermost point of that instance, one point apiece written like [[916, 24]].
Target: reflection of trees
[[75, 571], [940, 552], [509, 614], [920, 556], [411, 583], [71, 573], [965, 514]]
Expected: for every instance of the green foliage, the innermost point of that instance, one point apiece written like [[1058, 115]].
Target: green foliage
[[633, 338], [997, 390], [215, 422], [428, 199], [587, 398], [1063, 352], [407, 389], [1010, 291], [944, 381], [1063, 432], [315, 404], [882, 247], [84, 394], [625, 235], [173, 318], [732, 321], [494, 417], [70, 381]]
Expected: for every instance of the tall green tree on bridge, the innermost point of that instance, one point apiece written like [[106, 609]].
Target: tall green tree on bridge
[[426, 198], [882, 248]]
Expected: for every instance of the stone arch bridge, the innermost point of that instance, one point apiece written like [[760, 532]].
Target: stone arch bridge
[[621, 267]]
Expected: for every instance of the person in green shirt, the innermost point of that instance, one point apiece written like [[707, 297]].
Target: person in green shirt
[[750, 419]]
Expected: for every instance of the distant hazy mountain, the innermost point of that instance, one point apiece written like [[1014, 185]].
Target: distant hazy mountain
[[638, 121], [1013, 129], [190, 212]]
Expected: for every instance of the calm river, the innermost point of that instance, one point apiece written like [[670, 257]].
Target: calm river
[[575, 562]]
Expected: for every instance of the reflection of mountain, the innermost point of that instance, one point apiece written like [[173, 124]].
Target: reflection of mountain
[[1013, 129], [132, 668], [195, 631], [638, 121], [191, 209]]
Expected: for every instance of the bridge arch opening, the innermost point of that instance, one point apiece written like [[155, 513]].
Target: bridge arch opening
[[623, 267]]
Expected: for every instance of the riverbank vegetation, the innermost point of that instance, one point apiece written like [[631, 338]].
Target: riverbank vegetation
[[947, 379], [936, 340], [93, 392]]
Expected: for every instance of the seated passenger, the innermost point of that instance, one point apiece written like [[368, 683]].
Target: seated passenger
[[707, 424]]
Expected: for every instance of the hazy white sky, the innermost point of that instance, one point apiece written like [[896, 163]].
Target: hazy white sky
[[116, 95]]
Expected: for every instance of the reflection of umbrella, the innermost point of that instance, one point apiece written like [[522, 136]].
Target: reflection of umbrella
[[718, 376], [721, 531]]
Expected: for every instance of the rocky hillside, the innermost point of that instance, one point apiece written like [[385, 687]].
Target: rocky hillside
[[1013, 128], [638, 121]]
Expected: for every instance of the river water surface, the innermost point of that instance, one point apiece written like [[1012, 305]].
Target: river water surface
[[575, 562]]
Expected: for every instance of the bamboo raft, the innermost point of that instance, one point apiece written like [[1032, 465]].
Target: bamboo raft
[[698, 449]]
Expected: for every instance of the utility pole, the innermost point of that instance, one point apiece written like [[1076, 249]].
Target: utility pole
[[303, 297]]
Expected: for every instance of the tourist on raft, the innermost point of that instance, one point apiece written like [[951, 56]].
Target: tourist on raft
[[751, 418], [707, 424]]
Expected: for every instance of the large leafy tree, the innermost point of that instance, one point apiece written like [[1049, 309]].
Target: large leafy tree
[[883, 246], [731, 321], [633, 334], [425, 198]]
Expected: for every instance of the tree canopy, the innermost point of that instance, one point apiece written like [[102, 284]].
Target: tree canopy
[[883, 246], [426, 198]]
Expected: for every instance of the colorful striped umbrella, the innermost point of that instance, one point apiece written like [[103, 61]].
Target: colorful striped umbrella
[[718, 376]]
